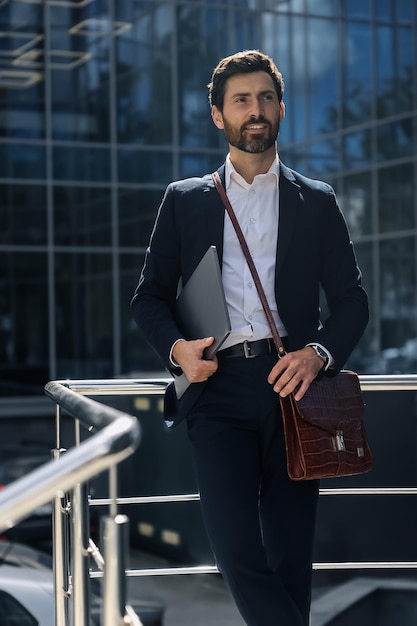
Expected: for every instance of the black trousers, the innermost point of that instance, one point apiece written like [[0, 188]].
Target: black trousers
[[259, 522]]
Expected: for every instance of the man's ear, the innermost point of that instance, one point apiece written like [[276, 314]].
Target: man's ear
[[217, 117], [281, 110]]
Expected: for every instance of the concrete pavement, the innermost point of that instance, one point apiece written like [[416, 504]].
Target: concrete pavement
[[189, 600]]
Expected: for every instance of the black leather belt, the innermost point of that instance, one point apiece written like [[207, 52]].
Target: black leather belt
[[249, 349]]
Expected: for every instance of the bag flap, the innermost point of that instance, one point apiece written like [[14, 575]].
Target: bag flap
[[332, 401]]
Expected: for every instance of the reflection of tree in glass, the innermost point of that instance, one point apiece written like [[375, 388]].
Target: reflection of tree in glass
[[396, 97]]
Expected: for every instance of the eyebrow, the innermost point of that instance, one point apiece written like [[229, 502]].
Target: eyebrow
[[247, 93]]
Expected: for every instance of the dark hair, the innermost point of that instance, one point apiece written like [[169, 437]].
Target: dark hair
[[242, 63]]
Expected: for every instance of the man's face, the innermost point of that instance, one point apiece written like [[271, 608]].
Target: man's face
[[251, 113]]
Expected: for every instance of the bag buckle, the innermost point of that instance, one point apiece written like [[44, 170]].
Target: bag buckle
[[340, 441]]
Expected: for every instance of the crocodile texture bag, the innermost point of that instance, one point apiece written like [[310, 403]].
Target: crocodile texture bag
[[324, 431]]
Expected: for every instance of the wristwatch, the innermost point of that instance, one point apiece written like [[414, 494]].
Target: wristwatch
[[320, 352]]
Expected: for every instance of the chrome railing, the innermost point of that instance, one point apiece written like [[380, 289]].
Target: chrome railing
[[117, 437], [400, 382]]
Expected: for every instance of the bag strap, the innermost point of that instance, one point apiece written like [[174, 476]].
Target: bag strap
[[270, 318]]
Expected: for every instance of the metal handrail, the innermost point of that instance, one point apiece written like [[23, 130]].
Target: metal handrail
[[117, 437], [147, 386], [391, 382]]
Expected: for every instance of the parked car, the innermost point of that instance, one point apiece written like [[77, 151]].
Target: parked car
[[24, 599], [27, 591], [16, 461]]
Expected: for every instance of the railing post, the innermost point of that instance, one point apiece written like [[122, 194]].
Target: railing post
[[115, 533], [80, 556], [60, 552]]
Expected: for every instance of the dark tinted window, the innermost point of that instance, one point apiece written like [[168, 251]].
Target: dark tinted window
[[13, 613]]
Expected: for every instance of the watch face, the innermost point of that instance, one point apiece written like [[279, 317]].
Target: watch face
[[321, 353]]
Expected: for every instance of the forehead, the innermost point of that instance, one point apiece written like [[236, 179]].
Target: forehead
[[255, 82]]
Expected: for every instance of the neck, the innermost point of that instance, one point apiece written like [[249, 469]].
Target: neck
[[249, 165]]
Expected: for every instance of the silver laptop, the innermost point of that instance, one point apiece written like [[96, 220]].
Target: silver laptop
[[202, 310]]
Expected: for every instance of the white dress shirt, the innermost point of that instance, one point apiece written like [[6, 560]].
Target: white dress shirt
[[256, 207]]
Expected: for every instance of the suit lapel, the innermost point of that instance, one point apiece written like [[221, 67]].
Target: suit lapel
[[289, 198]]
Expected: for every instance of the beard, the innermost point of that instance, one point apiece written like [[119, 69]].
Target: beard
[[255, 144]]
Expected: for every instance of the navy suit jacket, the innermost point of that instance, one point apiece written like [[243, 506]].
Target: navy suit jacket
[[313, 250]]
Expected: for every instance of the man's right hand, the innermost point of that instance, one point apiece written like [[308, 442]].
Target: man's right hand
[[189, 356]]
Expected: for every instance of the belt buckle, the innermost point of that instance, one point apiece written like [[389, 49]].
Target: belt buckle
[[247, 350]]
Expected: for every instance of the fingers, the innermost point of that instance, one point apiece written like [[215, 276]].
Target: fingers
[[205, 343], [189, 355], [294, 373], [200, 370]]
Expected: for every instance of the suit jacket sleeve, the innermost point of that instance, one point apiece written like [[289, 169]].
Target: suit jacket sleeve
[[320, 252], [153, 303]]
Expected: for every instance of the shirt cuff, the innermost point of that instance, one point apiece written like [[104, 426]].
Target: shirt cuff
[[171, 358], [330, 361]]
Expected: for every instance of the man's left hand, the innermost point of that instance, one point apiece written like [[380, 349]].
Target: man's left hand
[[295, 370]]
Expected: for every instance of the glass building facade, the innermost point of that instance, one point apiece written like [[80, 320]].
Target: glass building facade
[[104, 102]]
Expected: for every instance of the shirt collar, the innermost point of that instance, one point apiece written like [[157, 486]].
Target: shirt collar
[[230, 172]]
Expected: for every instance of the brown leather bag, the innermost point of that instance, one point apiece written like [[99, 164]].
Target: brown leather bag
[[324, 431]]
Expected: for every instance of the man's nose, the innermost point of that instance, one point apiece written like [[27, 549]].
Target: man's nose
[[257, 110]]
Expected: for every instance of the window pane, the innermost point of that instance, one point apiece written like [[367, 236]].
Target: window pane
[[297, 158], [405, 70], [324, 157], [356, 8], [383, 10], [395, 86], [276, 34], [143, 71], [322, 75], [144, 166], [137, 212], [396, 198], [293, 6], [395, 140], [84, 315], [199, 164], [366, 358], [80, 67], [320, 7], [357, 150], [26, 205], [82, 216], [22, 161], [298, 80], [403, 10], [357, 74], [356, 203], [246, 33], [81, 164], [23, 323], [196, 63], [22, 86], [398, 304]]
